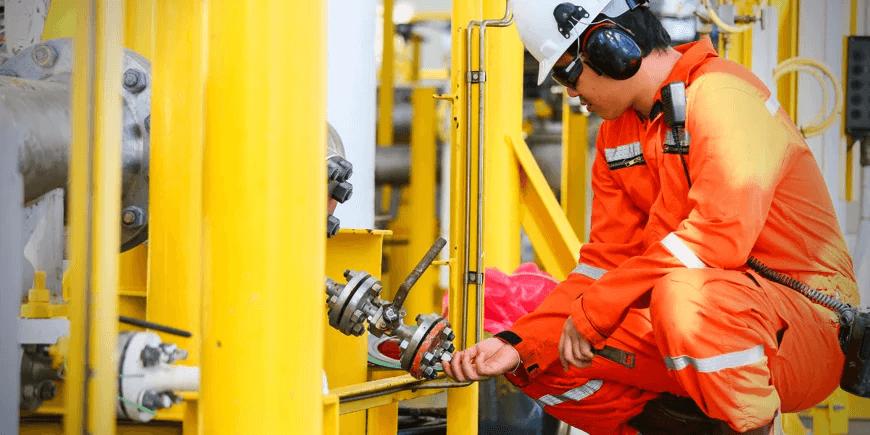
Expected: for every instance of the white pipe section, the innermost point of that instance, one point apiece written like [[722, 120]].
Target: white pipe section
[[170, 378], [351, 101], [862, 245]]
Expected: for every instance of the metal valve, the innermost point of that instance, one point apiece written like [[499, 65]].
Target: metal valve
[[353, 304]]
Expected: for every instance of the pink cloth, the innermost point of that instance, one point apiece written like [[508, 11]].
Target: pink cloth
[[509, 297]]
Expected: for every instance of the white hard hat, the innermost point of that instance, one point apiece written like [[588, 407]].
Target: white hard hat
[[548, 27]]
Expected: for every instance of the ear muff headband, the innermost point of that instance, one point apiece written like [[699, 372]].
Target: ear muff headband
[[610, 49]]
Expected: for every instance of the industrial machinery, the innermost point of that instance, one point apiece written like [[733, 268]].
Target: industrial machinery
[[353, 304]]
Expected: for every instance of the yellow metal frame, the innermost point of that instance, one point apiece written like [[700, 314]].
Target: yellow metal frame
[[575, 147]]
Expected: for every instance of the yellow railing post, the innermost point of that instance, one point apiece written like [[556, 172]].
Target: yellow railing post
[[95, 192], [462, 403], [575, 147], [503, 116], [175, 223], [264, 218], [424, 299]]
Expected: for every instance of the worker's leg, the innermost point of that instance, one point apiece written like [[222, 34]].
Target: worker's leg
[[742, 346], [601, 398]]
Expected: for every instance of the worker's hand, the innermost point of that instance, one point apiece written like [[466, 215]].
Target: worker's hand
[[490, 357], [573, 348]]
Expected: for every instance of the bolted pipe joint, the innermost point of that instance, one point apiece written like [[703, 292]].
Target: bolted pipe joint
[[44, 55], [135, 81]]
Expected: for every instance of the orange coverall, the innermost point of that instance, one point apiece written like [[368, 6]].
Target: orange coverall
[[664, 274]]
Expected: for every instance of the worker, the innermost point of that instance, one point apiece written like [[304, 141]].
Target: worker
[[662, 328]]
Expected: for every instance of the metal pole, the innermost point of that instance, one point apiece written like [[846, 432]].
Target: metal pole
[[95, 186], [11, 225], [574, 152], [264, 202]]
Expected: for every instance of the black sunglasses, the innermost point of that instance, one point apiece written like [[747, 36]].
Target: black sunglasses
[[567, 75]]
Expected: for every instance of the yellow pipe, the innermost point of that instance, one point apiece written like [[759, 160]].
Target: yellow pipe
[[424, 298], [788, 48], [139, 27], [95, 187], [850, 150], [175, 221], [503, 116], [385, 95], [462, 403], [574, 155], [264, 226], [61, 20]]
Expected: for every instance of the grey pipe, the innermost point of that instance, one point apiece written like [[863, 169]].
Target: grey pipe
[[11, 225]]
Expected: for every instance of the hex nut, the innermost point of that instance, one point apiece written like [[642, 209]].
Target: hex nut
[[133, 217], [47, 390], [403, 344], [148, 123], [342, 192], [446, 357], [358, 329], [332, 225], [429, 373], [150, 356], [428, 358], [357, 316], [44, 55], [332, 300], [134, 80]]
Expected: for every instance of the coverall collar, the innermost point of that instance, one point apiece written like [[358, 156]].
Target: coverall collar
[[693, 55]]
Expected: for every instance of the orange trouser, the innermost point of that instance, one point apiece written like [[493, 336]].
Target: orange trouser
[[740, 346]]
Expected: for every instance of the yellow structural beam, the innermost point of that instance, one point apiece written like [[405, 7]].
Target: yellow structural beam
[[60, 22], [575, 148], [462, 403], [175, 221], [423, 227], [139, 31], [502, 115], [555, 243], [95, 187], [264, 226], [385, 94]]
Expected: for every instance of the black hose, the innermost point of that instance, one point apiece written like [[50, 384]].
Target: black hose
[[154, 326], [824, 300]]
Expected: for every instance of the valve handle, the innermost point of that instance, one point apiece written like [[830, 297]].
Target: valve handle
[[415, 274]]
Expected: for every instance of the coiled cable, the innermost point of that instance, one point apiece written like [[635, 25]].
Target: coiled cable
[[824, 300]]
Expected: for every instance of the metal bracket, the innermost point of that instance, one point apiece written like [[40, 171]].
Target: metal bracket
[[476, 77], [474, 278]]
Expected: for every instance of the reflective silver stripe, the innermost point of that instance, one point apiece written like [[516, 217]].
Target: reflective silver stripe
[[682, 252], [590, 271], [772, 104], [623, 152], [574, 394], [719, 362]]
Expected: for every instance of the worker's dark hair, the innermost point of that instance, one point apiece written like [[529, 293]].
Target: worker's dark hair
[[648, 31]]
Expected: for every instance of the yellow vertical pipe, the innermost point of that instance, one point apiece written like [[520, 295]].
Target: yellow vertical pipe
[[263, 225], [385, 94], [95, 189], [424, 298], [850, 151], [462, 403], [574, 150], [139, 27], [175, 221], [788, 47], [503, 117]]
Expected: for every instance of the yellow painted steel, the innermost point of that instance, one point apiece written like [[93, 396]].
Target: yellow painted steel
[[60, 22], [95, 187], [503, 116], [330, 414], [264, 225], [575, 148], [47, 427], [385, 94], [176, 175], [791, 425], [788, 48], [345, 357], [850, 150], [462, 403], [831, 417], [555, 242], [139, 27], [39, 303], [424, 298], [384, 419]]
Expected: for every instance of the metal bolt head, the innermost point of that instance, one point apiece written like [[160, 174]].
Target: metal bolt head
[[357, 316], [357, 329], [390, 315], [47, 390], [446, 357], [332, 225], [148, 123], [419, 318], [134, 80], [150, 356], [331, 301], [448, 346], [429, 373], [44, 55], [403, 344], [342, 192], [428, 358], [132, 217]]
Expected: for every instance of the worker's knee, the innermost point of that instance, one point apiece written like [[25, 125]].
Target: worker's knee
[[678, 305]]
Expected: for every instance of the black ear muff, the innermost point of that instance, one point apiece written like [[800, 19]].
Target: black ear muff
[[611, 51]]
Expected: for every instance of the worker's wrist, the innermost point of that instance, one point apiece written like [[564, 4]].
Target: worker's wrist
[[519, 361]]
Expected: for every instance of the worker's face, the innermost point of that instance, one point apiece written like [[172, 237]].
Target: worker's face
[[603, 95]]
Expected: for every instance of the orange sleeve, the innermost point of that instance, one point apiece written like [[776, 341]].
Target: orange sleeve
[[737, 155], [616, 233]]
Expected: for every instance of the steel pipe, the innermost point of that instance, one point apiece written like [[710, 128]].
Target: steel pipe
[[35, 114]]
